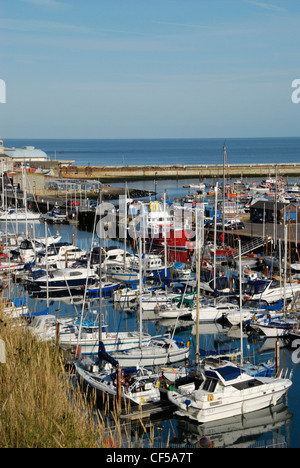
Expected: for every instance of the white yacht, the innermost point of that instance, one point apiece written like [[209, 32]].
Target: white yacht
[[30, 248], [60, 255], [83, 337], [55, 216], [66, 278], [19, 215], [270, 290], [160, 350], [211, 310], [117, 272], [225, 392]]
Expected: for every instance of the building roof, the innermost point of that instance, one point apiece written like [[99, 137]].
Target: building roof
[[270, 205], [28, 152]]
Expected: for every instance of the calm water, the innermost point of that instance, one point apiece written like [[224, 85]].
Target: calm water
[[167, 151], [253, 430], [265, 425]]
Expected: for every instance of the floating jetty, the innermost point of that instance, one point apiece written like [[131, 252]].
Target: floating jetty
[[177, 171], [148, 411]]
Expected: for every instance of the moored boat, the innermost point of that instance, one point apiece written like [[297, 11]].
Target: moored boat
[[228, 391]]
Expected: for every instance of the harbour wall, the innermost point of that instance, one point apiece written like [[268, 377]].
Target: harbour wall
[[178, 171]]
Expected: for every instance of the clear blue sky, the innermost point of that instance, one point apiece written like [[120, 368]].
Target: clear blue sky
[[149, 68]]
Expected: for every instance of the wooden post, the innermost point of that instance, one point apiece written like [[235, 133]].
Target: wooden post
[[119, 393], [277, 358], [56, 336], [2, 352]]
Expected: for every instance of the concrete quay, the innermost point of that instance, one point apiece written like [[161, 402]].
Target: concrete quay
[[178, 171]]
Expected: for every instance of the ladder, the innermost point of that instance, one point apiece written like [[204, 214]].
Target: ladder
[[254, 244]]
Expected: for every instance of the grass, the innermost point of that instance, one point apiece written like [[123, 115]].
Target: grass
[[41, 407]]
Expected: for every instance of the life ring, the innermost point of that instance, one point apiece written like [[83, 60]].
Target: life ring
[[210, 397]]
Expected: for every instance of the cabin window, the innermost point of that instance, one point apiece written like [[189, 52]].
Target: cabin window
[[210, 385]]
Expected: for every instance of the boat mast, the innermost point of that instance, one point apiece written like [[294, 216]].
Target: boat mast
[[199, 242], [215, 234], [140, 290], [125, 224], [165, 236], [100, 272], [47, 266], [198, 297], [223, 214], [285, 269], [241, 302], [25, 198]]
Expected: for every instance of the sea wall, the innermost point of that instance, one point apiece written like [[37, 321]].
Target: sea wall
[[179, 171]]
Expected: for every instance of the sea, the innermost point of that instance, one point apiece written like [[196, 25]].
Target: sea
[[274, 427]]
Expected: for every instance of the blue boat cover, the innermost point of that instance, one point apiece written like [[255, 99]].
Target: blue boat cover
[[36, 314], [226, 372], [103, 355]]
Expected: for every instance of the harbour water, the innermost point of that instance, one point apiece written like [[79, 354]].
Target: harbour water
[[167, 151], [266, 426], [241, 432]]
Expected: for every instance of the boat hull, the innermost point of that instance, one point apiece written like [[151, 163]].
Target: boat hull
[[112, 342], [149, 356], [236, 405], [179, 239]]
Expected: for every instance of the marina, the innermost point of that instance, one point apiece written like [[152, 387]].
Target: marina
[[149, 227], [143, 283]]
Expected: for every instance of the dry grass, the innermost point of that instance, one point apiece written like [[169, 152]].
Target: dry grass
[[39, 404]]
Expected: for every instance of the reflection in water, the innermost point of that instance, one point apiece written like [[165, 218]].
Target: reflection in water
[[236, 432]]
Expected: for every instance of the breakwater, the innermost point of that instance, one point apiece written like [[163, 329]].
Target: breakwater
[[178, 171]]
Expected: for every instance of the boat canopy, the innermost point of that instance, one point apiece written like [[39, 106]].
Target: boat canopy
[[226, 373]]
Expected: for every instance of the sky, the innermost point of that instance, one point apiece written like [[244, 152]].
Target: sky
[[149, 68]]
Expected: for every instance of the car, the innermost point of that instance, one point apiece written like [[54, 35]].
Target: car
[[234, 225], [257, 219], [73, 203], [211, 225], [238, 225]]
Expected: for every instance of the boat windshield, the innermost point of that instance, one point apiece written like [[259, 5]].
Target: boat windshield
[[210, 385], [255, 287]]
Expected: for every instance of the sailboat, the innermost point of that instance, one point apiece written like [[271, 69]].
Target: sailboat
[[83, 336], [160, 350], [20, 214], [139, 386]]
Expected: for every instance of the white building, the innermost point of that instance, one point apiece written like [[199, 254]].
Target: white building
[[11, 157], [27, 154]]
